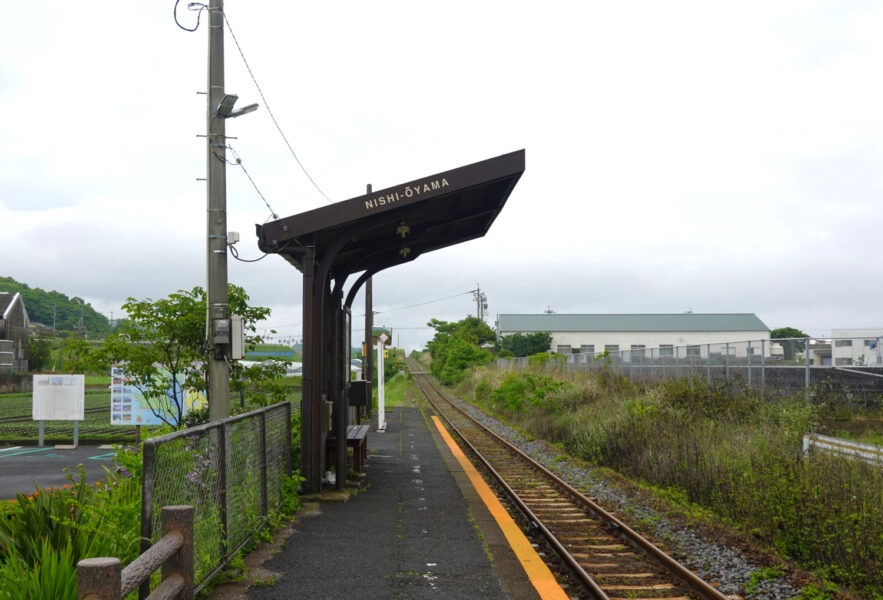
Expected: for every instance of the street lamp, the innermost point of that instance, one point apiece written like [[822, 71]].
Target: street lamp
[[225, 107]]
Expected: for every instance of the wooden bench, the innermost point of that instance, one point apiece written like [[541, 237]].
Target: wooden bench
[[357, 439]]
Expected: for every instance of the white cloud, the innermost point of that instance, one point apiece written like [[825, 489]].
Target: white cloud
[[719, 157]]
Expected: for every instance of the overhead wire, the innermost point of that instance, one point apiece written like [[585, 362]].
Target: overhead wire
[[395, 308], [254, 185], [270, 112], [197, 6]]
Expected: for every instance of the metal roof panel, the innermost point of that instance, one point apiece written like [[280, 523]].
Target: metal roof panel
[[631, 322]]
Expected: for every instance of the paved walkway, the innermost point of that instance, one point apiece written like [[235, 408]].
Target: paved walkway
[[412, 533], [25, 468]]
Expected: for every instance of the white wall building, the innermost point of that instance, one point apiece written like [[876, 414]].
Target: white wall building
[[856, 347], [595, 333]]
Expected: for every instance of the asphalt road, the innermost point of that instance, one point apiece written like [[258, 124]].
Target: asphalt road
[[24, 468]]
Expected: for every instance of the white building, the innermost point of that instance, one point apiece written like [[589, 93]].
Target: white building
[[592, 334], [856, 347]]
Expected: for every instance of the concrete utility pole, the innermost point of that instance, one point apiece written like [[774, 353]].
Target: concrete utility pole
[[217, 317], [480, 302]]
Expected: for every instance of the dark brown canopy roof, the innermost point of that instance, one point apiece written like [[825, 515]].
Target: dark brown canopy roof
[[396, 225]]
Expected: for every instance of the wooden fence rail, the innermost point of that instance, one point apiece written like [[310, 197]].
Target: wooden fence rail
[[104, 579]]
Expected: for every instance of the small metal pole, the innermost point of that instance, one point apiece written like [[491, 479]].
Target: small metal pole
[[762, 365], [147, 477], [727, 362], [708, 361], [76, 433], [748, 351], [40, 435], [262, 417], [288, 460], [222, 485], [806, 367], [677, 362]]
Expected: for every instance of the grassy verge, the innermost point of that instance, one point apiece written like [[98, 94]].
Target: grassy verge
[[397, 391], [728, 451]]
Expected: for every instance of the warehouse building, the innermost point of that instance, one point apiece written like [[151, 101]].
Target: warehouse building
[[594, 333]]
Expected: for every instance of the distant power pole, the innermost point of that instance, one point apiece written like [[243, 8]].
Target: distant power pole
[[480, 302], [217, 319]]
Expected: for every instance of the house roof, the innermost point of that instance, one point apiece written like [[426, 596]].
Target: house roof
[[631, 322], [7, 300]]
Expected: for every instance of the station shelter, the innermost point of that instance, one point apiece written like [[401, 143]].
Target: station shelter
[[358, 238]]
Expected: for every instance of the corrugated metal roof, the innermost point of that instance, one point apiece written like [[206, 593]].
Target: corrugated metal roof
[[631, 322]]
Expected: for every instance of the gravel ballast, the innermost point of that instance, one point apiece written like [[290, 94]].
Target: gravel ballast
[[716, 562]]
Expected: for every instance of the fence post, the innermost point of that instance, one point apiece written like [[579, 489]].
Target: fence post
[[763, 365], [806, 366], [262, 444], [222, 485], [180, 519], [748, 353], [99, 578], [677, 362], [147, 479], [708, 361], [287, 437], [727, 363]]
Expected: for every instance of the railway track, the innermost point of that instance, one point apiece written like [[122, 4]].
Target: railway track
[[608, 559]]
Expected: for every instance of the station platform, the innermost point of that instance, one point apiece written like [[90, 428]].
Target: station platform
[[418, 528]]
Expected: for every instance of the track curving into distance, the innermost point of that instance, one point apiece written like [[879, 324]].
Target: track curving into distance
[[609, 559]]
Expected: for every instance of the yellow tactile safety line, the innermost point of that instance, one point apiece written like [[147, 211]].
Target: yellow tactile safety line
[[537, 571]]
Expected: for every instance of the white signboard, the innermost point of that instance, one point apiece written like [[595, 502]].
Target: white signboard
[[59, 397]]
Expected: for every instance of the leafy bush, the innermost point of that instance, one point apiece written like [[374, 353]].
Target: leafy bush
[[52, 574], [48, 531], [519, 390]]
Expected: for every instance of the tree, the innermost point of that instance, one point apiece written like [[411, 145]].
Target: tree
[[164, 341], [39, 351], [790, 346], [525, 344], [457, 347]]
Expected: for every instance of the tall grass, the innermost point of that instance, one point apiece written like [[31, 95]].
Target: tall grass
[[720, 447]]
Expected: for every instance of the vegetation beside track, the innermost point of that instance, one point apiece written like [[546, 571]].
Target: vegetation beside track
[[726, 450], [44, 533]]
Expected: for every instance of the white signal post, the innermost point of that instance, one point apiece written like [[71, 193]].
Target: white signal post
[[381, 415]]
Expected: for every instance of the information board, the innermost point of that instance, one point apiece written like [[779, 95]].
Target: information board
[[59, 397], [128, 405]]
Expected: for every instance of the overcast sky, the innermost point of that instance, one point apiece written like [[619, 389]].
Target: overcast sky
[[719, 157]]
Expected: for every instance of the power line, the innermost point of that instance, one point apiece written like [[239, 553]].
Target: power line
[[270, 112], [395, 308], [254, 185]]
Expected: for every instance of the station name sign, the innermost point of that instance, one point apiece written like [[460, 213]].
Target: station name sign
[[407, 192]]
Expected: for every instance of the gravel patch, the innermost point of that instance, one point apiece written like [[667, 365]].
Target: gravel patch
[[711, 560]]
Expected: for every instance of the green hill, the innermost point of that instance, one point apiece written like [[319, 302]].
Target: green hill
[[68, 312]]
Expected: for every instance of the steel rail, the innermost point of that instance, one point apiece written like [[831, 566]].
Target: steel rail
[[673, 566], [580, 573]]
